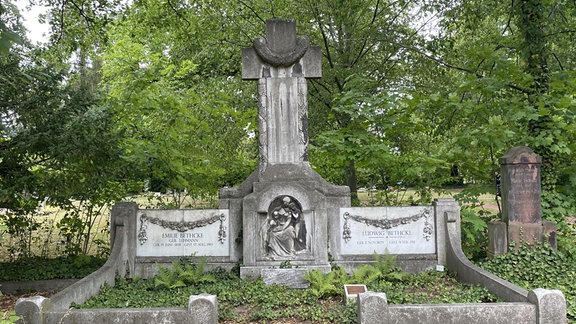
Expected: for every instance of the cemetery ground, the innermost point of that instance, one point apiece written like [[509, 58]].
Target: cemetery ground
[[248, 301]]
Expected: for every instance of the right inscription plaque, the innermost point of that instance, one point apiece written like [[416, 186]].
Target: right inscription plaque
[[394, 230]]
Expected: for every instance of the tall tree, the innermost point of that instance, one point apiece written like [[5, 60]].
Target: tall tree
[[181, 126]]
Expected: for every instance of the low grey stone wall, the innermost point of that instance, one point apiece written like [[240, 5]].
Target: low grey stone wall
[[466, 271], [201, 309], [374, 308]]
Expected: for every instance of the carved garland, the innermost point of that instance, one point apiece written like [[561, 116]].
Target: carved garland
[[181, 226], [387, 223]]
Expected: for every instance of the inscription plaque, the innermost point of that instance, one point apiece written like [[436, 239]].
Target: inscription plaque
[[183, 233], [395, 230]]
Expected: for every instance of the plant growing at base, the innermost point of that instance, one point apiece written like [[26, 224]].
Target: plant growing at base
[[183, 273]]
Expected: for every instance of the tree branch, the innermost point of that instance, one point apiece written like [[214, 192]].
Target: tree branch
[[458, 68], [253, 11], [178, 13]]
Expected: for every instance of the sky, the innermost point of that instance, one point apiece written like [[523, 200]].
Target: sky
[[37, 32]]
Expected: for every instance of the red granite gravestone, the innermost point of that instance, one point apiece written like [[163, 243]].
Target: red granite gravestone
[[521, 203]]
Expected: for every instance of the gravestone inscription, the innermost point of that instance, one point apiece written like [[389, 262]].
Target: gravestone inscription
[[394, 230], [182, 232]]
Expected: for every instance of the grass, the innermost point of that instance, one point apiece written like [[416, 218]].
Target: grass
[[44, 239], [47, 239]]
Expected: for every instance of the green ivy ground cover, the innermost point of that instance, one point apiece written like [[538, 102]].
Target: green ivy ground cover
[[252, 300], [73, 267], [539, 266]]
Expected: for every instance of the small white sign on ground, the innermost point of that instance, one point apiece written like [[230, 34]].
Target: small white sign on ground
[[395, 230], [183, 233]]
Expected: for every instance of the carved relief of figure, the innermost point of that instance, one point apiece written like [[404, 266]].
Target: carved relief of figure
[[285, 230]]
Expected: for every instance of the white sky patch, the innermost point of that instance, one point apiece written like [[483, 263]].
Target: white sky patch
[[37, 32]]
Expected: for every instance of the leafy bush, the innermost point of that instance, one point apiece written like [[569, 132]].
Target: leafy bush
[[474, 221], [36, 268], [326, 284], [182, 274], [384, 268], [538, 266]]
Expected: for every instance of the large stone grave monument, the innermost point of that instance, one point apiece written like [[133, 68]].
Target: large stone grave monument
[[521, 203], [285, 215], [284, 204]]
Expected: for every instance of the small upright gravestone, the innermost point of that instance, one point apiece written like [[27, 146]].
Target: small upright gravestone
[[521, 199]]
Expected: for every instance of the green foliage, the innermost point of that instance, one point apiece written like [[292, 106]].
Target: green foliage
[[238, 300], [9, 27], [538, 266], [182, 274], [55, 268], [186, 128], [432, 287], [474, 231], [20, 227], [8, 317], [326, 284], [558, 207], [251, 300], [383, 269], [475, 220]]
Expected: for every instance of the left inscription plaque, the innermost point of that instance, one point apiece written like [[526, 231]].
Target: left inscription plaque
[[183, 233]]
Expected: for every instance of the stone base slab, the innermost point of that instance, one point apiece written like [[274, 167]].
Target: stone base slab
[[525, 232], [275, 275]]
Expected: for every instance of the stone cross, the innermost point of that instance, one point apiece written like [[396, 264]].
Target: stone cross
[[281, 63]]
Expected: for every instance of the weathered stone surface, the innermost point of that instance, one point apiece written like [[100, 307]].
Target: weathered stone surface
[[274, 233], [122, 315], [22, 287], [550, 304], [281, 63], [520, 181], [30, 309], [292, 278], [525, 232], [203, 308], [497, 313], [497, 239], [372, 308]]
